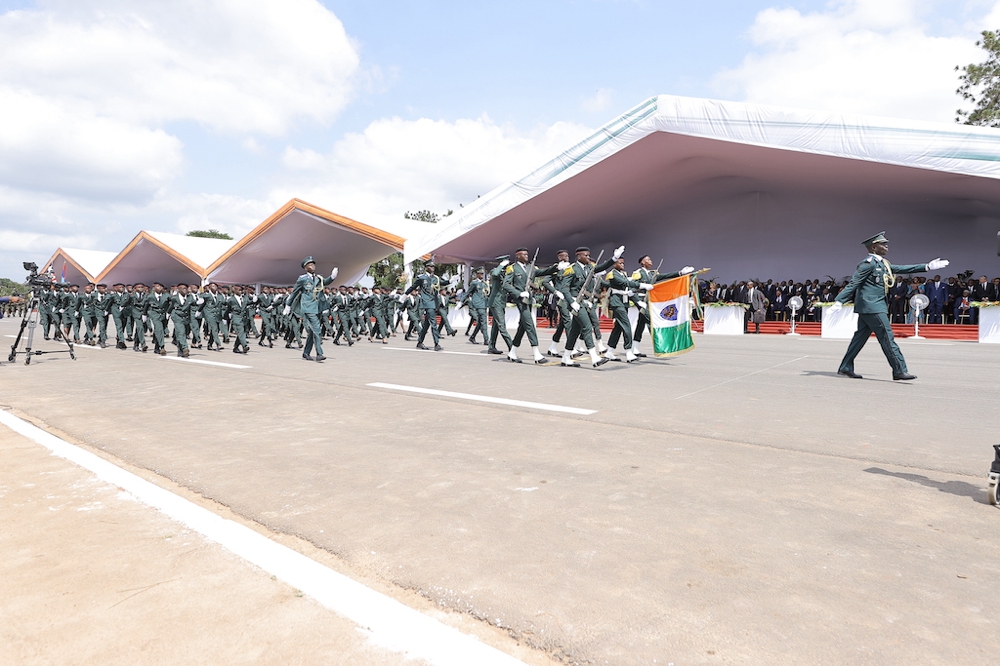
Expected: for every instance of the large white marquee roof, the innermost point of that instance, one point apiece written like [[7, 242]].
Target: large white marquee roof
[[750, 190]]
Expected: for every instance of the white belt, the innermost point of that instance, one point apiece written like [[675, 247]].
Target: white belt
[[621, 292]]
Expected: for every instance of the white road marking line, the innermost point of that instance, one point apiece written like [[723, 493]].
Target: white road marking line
[[387, 622], [749, 374], [486, 398], [198, 360], [434, 352]]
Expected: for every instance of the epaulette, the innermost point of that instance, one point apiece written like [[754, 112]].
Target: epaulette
[[510, 269], [636, 275], [568, 271], [869, 259]]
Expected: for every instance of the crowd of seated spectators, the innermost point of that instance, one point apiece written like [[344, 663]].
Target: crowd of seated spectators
[[950, 299]]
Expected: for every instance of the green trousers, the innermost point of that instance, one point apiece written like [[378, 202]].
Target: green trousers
[[499, 313], [878, 324]]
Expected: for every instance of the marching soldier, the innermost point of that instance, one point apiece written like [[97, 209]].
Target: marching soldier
[[88, 315], [427, 286], [101, 303], [212, 311], [341, 310], [197, 315], [581, 285], [138, 306], [619, 290], [497, 304], [46, 307], [181, 306], [120, 302], [308, 295], [869, 288], [517, 283], [444, 300], [236, 312], [557, 277], [475, 298], [411, 305], [69, 312], [646, 273], [154, 310]]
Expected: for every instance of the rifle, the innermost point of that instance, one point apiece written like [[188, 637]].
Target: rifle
[[586, 280], [527, 282], [657, 272]]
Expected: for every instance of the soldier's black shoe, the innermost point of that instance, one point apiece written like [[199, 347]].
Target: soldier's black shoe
[[541, 361], [186, 353], [121, 345], [904, 376], [46, 337], [307, 357], [145, 348], [438, 348], [163, 352], [493, 350], [421, 346], [640, 355], [514, 360], [452, 333], [601, 362], [350, 343], [571, 364], [849, 373], [320, 358]]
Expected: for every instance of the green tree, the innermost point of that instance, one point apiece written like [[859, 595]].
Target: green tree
[[209, 233], [980, 85], [9, 287], [387, 272]]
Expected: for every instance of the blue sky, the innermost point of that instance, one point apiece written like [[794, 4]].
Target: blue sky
[[121, 115]]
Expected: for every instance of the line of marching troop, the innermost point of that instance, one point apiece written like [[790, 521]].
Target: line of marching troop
[[190, 315]]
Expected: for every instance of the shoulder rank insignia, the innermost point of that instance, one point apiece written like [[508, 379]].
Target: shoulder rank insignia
[[510, 269], [636, 275]]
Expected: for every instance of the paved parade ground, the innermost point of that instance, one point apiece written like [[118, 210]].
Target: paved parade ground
[[740, 504]]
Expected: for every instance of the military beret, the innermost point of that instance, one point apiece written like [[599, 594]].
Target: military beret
[[877, 238], [582, 248], [521, 249], [308, 260]]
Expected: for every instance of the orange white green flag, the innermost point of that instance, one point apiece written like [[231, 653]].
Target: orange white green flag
[[670, 316]]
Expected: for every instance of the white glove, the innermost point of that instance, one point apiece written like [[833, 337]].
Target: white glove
[[837, 306], [525, 294], [64, 310], [619, 251], [562, 265], [687, 269], [645, 286], [575, 307], [334, 273], [197, 315], [560, 296], [504, 263], [401, 299], [642, 306], [937, 263], [200, 301], [287, 309], [143, 319]]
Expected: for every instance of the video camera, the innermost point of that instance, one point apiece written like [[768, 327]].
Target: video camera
[[34, 279]]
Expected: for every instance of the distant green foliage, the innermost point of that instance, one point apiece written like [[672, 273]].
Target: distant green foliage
[[210, 233], [388, 271], [426, 216], [9, 287], [981, 85]]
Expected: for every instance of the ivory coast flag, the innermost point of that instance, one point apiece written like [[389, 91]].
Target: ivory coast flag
[[669, 316]]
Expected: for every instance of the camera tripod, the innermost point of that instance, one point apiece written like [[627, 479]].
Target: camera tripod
[[30, 321]]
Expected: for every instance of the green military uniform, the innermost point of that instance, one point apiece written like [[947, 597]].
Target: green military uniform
[[155, 308], [869, 288], [496, 303], [46, 300], [517, 285], [580, 284], [236, 308], [182, 307], [340, 307], [475, 298], [101, 304], [642, 274], [620, 288], [308, 296], [120, 302], [138, 318], [69, 312], [427, 286], [444, 300], [212, 309]]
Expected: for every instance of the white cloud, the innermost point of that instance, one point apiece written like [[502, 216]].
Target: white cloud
[[599, 101], [397, 165], [860, 56]]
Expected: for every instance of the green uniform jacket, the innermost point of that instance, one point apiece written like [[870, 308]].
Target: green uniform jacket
[[575, 275], [495, 297], [867, 287], [515, 280], [306, 296], [618, 282], [476, 296], [428, 286]]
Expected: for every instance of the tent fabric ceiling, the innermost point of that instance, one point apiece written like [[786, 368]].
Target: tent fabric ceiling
[[749, 191]]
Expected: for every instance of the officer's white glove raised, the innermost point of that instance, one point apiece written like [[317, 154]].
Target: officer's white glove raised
[[645, 286], [837, 306], [504, 263], [687, 269], [334, 273], [936, 264], [575, 307], [560, 296], [619, 251], [525, 294], [562, 265], [287, 309]]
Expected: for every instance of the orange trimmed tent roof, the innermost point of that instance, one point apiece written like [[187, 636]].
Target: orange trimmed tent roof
[[270, 254], [80, 266]]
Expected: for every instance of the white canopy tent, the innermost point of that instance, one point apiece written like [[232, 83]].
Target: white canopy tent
[[272, 253], [164, 257], [754, 192], [78, 266]]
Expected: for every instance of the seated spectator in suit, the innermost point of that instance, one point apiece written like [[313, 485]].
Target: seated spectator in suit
[[963, 308]]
